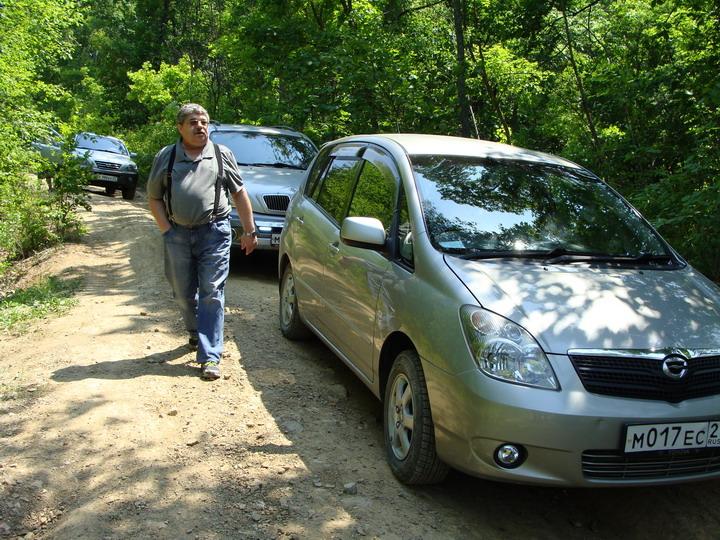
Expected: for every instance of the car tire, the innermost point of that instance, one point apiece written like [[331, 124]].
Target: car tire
[[110, 191], [291, 325], [129, 193], [408, 425]]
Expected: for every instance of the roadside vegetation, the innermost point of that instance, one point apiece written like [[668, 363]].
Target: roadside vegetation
[[49, 296], [628, 89]]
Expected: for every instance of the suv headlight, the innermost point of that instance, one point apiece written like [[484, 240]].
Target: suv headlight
[[506, 351]]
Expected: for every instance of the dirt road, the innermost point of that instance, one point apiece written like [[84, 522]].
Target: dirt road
[[107, 432]]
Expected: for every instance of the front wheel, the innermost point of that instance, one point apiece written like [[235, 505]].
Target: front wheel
[[109, 191], [129, 193], [290, 324], [408, 425]]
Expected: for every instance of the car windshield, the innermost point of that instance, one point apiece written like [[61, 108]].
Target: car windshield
[[267, 149], [88, 141], [481, 208]]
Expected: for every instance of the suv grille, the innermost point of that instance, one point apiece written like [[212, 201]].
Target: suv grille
[[614, 465], [278, 203], [107, 165], [643, 378]]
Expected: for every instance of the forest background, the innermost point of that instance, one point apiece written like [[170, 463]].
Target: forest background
[[627, 88]]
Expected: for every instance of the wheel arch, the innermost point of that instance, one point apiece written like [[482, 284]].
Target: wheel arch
[[394, 344]]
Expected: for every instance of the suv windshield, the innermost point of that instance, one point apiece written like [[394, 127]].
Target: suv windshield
[[87, 141], [267, 149], [481, 208]]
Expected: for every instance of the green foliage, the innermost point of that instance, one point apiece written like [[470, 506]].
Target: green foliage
[[629, 89], [51, 296]]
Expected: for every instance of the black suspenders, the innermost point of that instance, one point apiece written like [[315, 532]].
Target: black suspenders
[[218, 181]]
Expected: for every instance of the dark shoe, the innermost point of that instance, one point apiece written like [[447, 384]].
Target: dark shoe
[[210, 371], [193, 343]]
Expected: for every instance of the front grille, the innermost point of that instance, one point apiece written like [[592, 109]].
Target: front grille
[[277, 203], [643, 378], [614, 465], [107, 165]]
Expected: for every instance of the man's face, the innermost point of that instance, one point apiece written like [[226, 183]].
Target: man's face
[[194, 130]]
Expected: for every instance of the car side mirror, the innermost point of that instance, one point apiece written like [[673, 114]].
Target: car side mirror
[[133, 155], [363, 232]]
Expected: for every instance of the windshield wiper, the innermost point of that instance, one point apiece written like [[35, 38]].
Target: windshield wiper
[[277, 164], [477, 254], [643, 258]]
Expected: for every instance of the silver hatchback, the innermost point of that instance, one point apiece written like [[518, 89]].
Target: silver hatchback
[[518, 318]]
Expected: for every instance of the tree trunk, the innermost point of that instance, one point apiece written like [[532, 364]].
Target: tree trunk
[[464, 105], [584, 103]]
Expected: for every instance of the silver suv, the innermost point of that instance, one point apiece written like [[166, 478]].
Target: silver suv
[[518, 318], [273, 162], [108, 157]]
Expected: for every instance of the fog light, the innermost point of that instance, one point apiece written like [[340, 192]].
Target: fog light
[[509, 456]]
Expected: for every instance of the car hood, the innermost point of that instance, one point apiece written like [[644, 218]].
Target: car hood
[[573, 306], [271, 180], [99, 155]]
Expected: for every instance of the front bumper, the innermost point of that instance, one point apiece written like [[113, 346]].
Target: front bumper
[[268, 229], [114, 179], [571, 437]]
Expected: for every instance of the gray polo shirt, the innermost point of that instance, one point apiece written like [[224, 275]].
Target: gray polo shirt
[[193, 183]]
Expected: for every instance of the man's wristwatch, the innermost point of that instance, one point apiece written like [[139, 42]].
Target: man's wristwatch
[[251, 234]]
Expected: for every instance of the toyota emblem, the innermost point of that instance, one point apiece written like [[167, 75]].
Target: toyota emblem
[[675, 367]]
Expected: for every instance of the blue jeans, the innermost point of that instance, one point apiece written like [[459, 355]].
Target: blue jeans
[[197, 263]]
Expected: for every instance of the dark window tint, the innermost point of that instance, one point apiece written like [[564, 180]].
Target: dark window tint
[[374, 195], [336, 187], [267, 149]]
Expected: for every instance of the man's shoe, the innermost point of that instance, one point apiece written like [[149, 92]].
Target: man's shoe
[[210, 371], [193, 343]]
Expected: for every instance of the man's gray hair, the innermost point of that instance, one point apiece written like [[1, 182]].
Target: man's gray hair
[[190, 108]]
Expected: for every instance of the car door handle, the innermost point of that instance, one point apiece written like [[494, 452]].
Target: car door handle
[[300, 220], [334, 248]]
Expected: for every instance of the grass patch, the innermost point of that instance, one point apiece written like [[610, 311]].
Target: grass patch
[[51, 296]]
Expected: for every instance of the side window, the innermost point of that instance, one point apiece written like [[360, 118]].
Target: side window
[[316, 172], [336, 188], [374, 195], [404, 233]]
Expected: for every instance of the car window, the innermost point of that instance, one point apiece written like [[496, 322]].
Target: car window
[[267, 149], [89, 141], [336, 187], [374, 195], [472, 205], [318, 168], [404, 236]]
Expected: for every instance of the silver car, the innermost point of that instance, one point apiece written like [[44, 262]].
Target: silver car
[[273, 162], [111, 163], [518, 318]]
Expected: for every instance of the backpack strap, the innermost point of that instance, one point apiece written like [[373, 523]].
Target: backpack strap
[[220, 179], [168, 187]]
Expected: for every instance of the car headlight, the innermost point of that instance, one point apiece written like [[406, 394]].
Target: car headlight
[[506, 351], [131, 167]]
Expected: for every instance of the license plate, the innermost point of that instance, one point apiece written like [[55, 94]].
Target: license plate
[[275, 239], [654, 437], [107, 177]]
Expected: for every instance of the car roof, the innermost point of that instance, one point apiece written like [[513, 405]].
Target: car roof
[[423, 144], [277, 130]]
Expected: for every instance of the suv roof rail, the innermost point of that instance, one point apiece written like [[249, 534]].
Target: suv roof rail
[[284, 127]]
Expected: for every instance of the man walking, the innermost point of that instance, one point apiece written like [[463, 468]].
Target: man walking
[[187, 192]]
